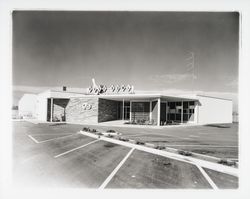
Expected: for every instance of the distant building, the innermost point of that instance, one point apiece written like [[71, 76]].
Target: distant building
[[14, 112], [154, 109]]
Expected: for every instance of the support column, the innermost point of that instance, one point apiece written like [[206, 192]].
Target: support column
[[150, 111], [181, 111], [51, 109], [130, 113], [122, 109], [196, 112], [166, 111], [159, 112]]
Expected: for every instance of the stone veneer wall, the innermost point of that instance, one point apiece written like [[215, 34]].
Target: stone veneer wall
[[107, 110], [75, 111]]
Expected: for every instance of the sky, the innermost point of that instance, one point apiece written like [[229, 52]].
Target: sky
[[149, 50]]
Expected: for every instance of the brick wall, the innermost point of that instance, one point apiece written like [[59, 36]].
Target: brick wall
[[107, 110], [77, 112]]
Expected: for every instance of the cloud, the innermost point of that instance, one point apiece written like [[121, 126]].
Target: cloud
[[37, 89], [171, 78], [29, 89]]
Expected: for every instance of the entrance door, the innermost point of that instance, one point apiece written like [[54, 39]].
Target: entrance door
[[126, 112], [163, 115]]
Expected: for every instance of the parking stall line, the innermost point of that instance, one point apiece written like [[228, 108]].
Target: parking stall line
[[54, 133], [57, 138], [37, 142], [66, 152], [210, 181], [109, 178], [33, 139]]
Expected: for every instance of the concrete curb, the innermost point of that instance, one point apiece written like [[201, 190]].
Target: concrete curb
[[187, 159]]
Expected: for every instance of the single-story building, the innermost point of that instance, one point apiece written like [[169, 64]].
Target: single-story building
[[154, 109], [27, 106]]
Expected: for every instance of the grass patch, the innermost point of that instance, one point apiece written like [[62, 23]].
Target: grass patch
[[201, 151]]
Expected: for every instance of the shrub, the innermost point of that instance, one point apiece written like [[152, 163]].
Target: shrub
[[93, 130], [111, 131], [186, 153], [123, 139], [133, 122], [86, 129], [160, 147], [139, 143]]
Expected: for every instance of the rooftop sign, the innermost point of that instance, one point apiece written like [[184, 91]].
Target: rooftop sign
[[113, 89]]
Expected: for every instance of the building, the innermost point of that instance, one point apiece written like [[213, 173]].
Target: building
[[152, 109], [27, 106]]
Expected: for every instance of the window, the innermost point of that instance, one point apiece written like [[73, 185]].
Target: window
[[175, 111], [171, 105], [185, 104], [191, 103], [178, 103], [185, 110]]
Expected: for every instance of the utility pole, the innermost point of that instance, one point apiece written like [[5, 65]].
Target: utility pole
[[190, 67]]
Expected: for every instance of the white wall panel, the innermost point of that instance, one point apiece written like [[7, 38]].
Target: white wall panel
[[214, 110]]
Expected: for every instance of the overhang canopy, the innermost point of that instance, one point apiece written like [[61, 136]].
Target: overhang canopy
[[138, 97]]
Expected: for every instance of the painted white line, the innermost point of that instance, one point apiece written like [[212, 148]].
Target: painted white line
[[33, 139], [195, 136], [54, 134], [57, 138], [66, 152], [210, 181], [104, 184], [191, 160]]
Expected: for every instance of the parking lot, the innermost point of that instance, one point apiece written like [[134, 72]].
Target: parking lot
[[58, 156]]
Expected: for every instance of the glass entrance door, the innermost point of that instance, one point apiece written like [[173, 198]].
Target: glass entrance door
[[126, 110]]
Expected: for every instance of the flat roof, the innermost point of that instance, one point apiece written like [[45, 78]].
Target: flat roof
[[118, 97]]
